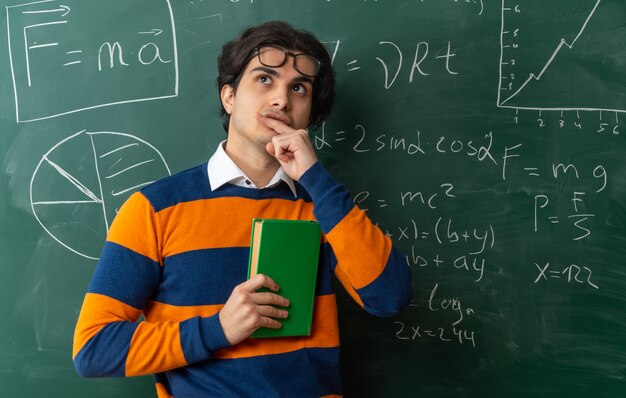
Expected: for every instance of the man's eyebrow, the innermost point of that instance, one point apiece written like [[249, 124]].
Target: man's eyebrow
[[266, 69], [303, 79], [273, 72]]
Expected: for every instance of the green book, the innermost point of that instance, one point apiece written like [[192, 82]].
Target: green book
[[287, 251]]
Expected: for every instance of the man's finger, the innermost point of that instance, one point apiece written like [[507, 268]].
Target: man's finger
[[270, 148], [272, 312], [280, 151], [269, 298], [258, 281], [270, 323], [276, 125]]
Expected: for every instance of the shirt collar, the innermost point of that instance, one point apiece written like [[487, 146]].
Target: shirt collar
[[222, 170]]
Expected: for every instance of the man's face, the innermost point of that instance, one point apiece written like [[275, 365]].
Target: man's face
[[281, 93]]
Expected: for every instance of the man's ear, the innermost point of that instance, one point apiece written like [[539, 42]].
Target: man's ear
[[227, 95]]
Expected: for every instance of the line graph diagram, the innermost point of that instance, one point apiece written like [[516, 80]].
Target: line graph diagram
[[556, 59], [80, 183]]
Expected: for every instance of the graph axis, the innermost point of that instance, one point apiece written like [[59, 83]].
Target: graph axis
[[503, 102]]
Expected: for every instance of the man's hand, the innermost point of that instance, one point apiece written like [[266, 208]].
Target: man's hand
[[246, 310], [292, 148]]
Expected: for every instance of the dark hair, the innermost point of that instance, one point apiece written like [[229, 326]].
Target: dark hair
[[236, 55]]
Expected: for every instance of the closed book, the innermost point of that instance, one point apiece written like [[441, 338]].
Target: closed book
[[287, 251]]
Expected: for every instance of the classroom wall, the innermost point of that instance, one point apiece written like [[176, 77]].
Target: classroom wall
[[486, 137]]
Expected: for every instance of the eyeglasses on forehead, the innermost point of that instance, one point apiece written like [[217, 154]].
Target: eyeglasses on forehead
[[275, 57]]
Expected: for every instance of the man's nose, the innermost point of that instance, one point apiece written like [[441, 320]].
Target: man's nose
[[280, 99]]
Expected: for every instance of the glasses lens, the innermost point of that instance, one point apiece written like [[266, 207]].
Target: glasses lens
[[273, 57], [307, 64]]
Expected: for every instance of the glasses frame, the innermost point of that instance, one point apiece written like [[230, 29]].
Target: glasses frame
[[318, 63]]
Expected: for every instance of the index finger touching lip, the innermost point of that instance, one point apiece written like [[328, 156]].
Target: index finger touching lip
[[279, 125]]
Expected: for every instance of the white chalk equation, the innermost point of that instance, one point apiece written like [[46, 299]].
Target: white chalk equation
[[473, 241], [73, 56], [570, 274], [452, 331], [80, 183], [427, 58], [545, 49]]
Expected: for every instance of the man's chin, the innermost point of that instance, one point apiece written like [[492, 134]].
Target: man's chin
[[267, 135], [265, 139]]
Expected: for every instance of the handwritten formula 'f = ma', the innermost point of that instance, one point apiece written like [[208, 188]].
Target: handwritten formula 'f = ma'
[[52, 49]]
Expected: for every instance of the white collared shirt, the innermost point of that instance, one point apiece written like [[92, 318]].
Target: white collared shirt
[[222, 170]]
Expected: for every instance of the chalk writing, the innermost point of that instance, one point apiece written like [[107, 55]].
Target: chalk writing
[[452, 332], [476, 3], [468, 263], [571, 273], [414, 144], [41, 42], [445, 334], [421, 53], [111, 167], [609, 125], [514, 54]]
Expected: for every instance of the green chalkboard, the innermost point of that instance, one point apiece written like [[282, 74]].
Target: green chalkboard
[[486, 137]]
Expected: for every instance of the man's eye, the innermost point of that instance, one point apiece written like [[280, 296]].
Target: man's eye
[[263, 79], [299, 88]]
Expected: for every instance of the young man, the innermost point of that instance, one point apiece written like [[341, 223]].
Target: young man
[[178, 250]]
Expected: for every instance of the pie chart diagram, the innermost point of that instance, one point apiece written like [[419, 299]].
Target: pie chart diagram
[[80, 183]]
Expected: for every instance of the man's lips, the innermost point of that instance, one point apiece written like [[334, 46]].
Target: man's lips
[[276, 116]]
